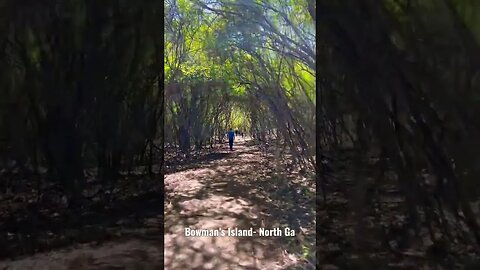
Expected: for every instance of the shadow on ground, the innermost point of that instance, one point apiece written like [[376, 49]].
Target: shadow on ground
[[46, 224], [241, 191]]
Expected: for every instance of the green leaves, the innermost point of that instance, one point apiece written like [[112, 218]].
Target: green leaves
[[241, 62]]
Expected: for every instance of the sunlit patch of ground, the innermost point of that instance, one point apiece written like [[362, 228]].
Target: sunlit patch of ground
[[237, 191], [175, 182], [230, 189]]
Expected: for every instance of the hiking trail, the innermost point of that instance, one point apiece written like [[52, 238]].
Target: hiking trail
[[225, 189], [233, 189]]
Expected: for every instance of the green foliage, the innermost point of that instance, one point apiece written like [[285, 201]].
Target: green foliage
[[227, 54]]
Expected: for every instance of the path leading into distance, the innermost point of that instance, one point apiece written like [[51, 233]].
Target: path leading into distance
[[229, 190]]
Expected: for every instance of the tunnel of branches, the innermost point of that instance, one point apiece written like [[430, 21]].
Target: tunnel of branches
[[200, 112], [393, 111], [217, 76]]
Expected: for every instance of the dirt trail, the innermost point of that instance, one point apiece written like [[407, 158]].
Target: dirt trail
[[227, 189], [238, 190]]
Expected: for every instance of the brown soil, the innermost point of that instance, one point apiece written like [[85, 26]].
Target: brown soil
[[221, 189], [242, 189]]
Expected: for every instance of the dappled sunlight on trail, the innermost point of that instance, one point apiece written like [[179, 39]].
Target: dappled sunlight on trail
[[238, 191]]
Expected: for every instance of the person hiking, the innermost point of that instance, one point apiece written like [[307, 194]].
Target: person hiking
[[231, 137]]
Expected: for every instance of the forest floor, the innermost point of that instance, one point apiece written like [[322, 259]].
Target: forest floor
[[117, 227], [370, 230], [213, 188], [217, 188], [240, 189]]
